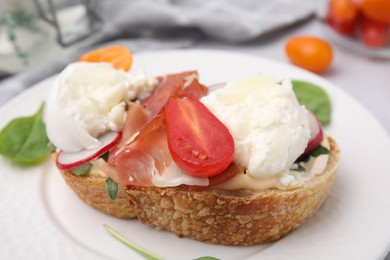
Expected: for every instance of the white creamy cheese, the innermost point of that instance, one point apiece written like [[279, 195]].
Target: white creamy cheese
[[269, 127], [88, 100]]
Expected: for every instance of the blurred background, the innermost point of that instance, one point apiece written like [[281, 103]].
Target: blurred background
[[39, 37]]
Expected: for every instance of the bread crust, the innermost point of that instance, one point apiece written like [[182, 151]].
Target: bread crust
[[92, 190], [244, 218]]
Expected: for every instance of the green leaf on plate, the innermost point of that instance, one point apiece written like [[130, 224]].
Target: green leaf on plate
[[315, 99], [82, 169], [24, 140], [112, 188], [319, 150], [300, 168], [142, 251]]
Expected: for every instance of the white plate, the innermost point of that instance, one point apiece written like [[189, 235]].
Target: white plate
[[41, 218]]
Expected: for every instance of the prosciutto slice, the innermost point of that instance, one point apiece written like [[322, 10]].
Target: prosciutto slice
[[146, 156], [168, 86], [143, 152]]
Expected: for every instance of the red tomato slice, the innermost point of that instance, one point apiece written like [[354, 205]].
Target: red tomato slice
[[199, 143]]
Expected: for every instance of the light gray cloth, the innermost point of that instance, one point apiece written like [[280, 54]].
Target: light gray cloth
[[159, 24]]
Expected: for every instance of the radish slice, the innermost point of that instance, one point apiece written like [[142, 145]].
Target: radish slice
[[316, 133], [69, 160]]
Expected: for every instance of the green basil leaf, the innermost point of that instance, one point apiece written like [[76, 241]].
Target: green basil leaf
[[319, 150], [112, 188], [82, 169], [24, 140], [315, 99]]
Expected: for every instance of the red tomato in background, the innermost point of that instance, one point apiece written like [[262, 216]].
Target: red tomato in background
[[373, 33], [378, 10], [311, 53], [199, 143], [342, 16]]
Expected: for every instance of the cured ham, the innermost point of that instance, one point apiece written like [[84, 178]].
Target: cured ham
[[143, 152], [146, 156], [137, 117], [168, 86]]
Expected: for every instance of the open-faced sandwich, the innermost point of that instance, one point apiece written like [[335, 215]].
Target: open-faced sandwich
[[241, 165]]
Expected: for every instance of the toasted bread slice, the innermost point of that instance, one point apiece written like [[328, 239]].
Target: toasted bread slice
[[92, 190], [233, 218]]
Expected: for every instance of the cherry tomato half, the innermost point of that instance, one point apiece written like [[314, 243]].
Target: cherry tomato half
[[374, 34], [311, 53], [199, 143]]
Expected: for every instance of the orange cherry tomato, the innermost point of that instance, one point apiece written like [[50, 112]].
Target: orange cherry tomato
[[378, 10], [342, 16], [311, 53], [199, 143], [120, 57], [343, 10]]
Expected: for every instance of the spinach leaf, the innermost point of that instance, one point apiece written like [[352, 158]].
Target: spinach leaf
[[112, 188], [82, 169], [24, 140], [319, 150], [315, 99]]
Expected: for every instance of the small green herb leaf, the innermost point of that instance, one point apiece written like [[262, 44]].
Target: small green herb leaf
[[24, 140], [82, 169], [105, 156], [142, 251], [112, 188], [315, 99], [300, 168], [51, 147], [319, 150]]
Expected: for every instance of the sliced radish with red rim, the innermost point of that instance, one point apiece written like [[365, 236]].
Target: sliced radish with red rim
[[316, 134], [69, 160]]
